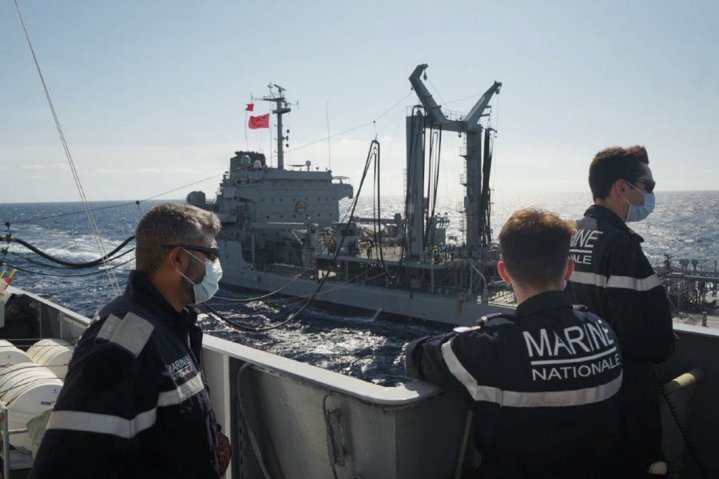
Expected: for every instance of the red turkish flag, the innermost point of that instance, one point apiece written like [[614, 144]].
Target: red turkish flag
[[262, 121], [250, 107]]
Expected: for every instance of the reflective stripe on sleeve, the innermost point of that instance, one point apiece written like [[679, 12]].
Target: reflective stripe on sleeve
[[132, 333], [121, 427], [576, 397], [478, 393], [102, 423], [182, 392], [622, 282], [627, 282], [108, 327]]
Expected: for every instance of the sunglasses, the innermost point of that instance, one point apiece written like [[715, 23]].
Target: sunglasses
[[211, 253], [648, 184]]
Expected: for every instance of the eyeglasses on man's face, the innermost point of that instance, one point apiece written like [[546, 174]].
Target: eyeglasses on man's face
[[648, 184], [211, 253]]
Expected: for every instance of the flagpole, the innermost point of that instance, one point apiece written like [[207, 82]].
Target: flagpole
[[329, 147], [251, 108], [270, 144]]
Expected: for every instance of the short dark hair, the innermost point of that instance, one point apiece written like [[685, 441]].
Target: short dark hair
[[535, 247], [615, 163], [170, 224]]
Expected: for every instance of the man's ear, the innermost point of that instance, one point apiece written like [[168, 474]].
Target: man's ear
[[174, 257], [569, 269], [620, 187], [502, 270]]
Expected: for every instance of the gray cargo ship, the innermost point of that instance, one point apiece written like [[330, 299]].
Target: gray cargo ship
[[282, 230]]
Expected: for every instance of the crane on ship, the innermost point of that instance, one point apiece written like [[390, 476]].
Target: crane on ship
[[478, 161]]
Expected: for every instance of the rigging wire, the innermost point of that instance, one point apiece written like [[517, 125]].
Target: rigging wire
[[118, 205], [8, 223], [436, 90], [430, 172], [326, 138], [433, 182], [404, 98], [267, 295], [436, 173], [68, 155]]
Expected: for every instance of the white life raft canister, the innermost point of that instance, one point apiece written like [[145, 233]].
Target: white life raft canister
[[27, 390], [11, 355], [53, 354]]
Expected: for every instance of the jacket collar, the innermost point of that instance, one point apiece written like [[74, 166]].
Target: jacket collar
[[140, 290], [600, 212], [544, 302]]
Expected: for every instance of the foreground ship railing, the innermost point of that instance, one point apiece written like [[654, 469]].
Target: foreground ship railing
[[293, 420]]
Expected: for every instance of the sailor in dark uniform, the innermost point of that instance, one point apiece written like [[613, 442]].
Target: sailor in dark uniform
[[135, 403], [542, 383], [615, 280]]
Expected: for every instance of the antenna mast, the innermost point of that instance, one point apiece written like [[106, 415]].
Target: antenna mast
[[281, 107]]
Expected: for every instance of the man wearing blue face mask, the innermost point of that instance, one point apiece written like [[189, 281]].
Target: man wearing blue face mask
[[615, 280], [135, 403]]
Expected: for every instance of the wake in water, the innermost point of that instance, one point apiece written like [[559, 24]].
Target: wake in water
[[353, 344]]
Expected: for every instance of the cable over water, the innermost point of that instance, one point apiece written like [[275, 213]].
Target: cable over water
[[68, 264], [68, 155]]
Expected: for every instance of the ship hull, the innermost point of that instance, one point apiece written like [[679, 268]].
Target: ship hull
[[412, 305], [404, 304]]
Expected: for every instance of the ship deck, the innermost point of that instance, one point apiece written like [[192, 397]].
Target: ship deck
[[392, 255]]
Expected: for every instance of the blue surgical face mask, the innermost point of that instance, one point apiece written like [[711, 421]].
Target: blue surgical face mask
[[210, 284], [639, 212]]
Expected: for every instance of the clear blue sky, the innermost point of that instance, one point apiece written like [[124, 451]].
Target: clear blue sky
[[151, 94]]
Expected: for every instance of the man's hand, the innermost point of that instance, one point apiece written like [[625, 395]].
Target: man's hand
[[224, 452]]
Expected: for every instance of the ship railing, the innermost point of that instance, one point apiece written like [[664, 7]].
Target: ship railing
[[299, 399], [692, 285], [452, 115], [11, 459], [708, 267], [286, 268]]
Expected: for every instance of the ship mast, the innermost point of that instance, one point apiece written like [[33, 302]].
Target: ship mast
[[281, 107]]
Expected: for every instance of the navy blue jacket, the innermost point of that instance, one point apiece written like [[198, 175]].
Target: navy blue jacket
[[615, 280], [542, 384], [134, 403]]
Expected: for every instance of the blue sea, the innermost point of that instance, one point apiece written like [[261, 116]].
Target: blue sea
[[684, 225]]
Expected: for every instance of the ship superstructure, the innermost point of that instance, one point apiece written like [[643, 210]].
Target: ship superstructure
[[274, 213]]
